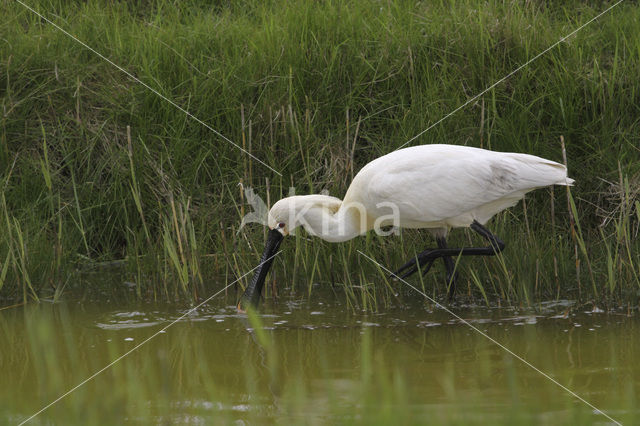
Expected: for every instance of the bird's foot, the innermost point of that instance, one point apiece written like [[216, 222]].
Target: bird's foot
[[423, 260]]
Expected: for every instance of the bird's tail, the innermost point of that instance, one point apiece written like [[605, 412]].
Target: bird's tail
[[567, 181]]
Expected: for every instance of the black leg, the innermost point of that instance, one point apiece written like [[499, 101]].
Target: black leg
[[427, 257], [450, 267]]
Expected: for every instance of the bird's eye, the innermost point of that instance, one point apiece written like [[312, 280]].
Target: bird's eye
[[281, 225]]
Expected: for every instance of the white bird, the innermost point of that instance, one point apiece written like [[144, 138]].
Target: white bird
[[437, 187]]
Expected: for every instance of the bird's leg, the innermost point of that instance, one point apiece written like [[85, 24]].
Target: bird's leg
[[428, 256], [450, 267], [413, 265]]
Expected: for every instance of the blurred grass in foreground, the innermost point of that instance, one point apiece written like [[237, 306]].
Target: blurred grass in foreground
[[314, 363]]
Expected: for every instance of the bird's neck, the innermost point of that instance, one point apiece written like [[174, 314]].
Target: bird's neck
[[346, 223]]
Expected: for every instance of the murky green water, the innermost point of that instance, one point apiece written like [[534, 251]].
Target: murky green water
[[315, 362]]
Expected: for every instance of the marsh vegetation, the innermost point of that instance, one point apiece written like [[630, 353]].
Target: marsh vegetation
[[120, 214], [97, 170]]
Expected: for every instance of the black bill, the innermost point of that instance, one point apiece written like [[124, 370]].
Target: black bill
[[251, 296]]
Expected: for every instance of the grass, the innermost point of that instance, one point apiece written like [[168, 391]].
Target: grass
[[95, 168]]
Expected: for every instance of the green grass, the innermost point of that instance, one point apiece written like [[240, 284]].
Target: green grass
[[94, 167]]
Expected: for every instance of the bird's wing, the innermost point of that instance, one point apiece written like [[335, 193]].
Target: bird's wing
[[440, 186]]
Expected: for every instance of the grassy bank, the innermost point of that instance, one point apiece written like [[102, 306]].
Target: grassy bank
[[96, 168]]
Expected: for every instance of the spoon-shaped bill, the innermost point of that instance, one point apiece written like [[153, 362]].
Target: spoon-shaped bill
[[251, 296]]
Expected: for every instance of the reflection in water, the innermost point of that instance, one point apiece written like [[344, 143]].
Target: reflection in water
[[315, 362]]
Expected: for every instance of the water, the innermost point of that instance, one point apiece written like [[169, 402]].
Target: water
[[315, 362]]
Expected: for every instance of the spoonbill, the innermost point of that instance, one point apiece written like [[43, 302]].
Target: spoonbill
[[436, 187]]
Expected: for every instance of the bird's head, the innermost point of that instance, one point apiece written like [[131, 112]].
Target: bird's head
[[286, 215], [280, 217], [307, 211]]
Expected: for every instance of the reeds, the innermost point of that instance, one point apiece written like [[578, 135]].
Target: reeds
[[95, 168]]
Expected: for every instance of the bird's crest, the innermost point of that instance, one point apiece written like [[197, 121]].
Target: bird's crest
[[260, 213]]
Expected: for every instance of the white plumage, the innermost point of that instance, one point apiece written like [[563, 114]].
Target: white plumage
[[433, 186], [436, 187]]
